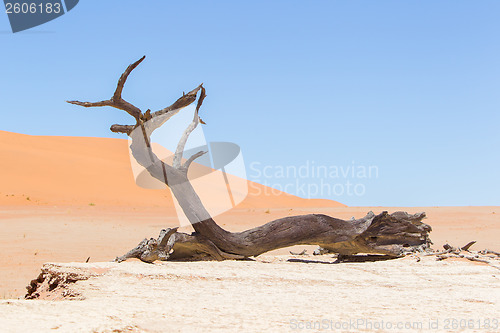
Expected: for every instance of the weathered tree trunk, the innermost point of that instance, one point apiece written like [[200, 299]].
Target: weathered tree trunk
[[389, 234]]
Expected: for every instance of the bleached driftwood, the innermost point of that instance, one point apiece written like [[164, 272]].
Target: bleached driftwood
[[389, 234]]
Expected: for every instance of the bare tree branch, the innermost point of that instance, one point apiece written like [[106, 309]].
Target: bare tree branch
[[150, 120], [190, 160], [490, 251], [158, 118], [123, 78], [117, 101], [141, 145], [127, 129], [183, 140], [91, 104], [389, 234], [201, 99], [182, 102], [468, 245]]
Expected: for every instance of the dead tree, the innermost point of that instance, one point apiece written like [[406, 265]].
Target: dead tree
[[389, 234]]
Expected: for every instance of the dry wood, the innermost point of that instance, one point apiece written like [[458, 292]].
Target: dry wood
[[301, 253], [468, 245], [389, 234], [479, 256], [490, 251]]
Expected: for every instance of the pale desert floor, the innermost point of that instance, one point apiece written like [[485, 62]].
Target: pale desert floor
[[268, 295], [77, 203], [33, 235]]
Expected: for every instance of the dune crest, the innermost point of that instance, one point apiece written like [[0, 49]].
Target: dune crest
[[58, 170]]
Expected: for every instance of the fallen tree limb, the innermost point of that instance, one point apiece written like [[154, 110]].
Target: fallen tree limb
[[479, 256], [387, 234]]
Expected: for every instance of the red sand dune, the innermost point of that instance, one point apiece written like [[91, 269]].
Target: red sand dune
[[52, 170], [41, 172]]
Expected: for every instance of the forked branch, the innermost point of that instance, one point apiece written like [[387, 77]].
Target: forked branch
[[148, 121], [389, 234], [117, 101], [187, 132]]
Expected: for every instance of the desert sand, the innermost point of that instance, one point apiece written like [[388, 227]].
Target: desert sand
[[269, 294], [66, 199]]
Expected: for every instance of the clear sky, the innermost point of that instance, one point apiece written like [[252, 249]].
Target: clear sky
[[406, 89]]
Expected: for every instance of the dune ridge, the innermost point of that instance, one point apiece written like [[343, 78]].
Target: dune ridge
[[58, 170]]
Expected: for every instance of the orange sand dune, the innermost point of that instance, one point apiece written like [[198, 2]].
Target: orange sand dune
[[40, 172], [51, 170]]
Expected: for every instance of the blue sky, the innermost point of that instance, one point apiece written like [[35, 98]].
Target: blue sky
[[411, 88]]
